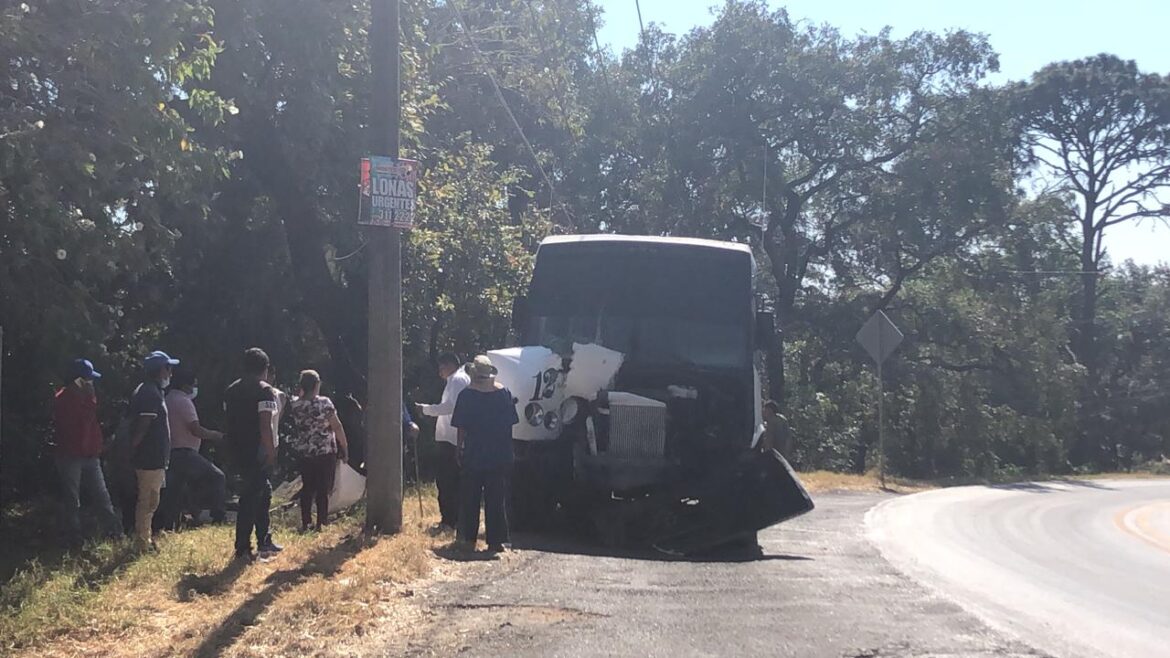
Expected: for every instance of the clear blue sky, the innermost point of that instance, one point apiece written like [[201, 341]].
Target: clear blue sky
[[1027, 34]]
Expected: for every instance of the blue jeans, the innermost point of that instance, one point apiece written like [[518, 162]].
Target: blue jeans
[[207, 484], [82, 476]]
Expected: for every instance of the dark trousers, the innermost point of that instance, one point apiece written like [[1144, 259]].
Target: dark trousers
[[189, 469], [490, 486], [255, 499], [447, 479], [317, 474], [125, 497]]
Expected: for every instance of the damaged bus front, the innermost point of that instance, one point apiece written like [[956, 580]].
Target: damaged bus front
[[638, 394]]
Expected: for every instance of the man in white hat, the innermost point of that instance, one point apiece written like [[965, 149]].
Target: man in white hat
[[484, 415]]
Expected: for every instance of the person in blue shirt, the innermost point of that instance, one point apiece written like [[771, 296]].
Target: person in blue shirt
[[484, 415], [150, 440]]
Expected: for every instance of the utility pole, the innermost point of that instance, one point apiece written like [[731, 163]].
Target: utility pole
[[1, 422], [383, 249]]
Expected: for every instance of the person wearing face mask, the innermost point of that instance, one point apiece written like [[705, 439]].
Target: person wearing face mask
[[79, 448], [150, 441], [188, 468]]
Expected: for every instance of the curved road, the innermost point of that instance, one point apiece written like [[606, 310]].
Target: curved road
[[1077, 569]]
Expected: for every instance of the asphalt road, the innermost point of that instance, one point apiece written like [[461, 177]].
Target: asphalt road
[[821, 589], [1077, 569]]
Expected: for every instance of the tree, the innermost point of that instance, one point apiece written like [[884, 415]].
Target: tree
[[1100, 129], [298, 72], [97, 165], [756, 103]]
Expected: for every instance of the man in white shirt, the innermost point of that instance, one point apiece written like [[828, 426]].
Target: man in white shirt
[[447, 437], [187, 466]]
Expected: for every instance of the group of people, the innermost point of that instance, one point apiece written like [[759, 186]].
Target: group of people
[[157, 458], [157, 450], [158, 440], [474, 435]]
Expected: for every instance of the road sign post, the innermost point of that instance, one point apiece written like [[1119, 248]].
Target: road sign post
[[881, 426], [880, 337]]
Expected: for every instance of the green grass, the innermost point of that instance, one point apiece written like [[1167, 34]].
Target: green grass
[[50, 591], [109, 595]]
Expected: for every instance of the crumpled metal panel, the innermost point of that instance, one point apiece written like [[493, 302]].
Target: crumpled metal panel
[[753, 492]]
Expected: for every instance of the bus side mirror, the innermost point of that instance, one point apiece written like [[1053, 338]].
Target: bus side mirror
[[519, 312], [765, 330]]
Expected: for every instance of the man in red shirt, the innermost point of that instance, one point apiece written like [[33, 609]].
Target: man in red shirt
[[79, 449]]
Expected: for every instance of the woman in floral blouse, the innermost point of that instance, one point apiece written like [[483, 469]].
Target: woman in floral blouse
[[318, 439]]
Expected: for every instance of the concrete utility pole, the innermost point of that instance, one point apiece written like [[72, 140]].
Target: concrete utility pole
[[1, 406], [384, 378]]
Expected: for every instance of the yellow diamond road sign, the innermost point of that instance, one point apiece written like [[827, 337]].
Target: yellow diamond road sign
[[879, 336]]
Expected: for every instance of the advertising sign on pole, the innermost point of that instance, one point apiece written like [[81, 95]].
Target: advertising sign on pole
[[388, 188]]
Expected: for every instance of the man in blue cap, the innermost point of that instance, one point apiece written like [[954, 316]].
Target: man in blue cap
[[79, 449], [150, 440]]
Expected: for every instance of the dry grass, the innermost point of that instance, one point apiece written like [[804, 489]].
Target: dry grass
[[825, 481], [190, 599]]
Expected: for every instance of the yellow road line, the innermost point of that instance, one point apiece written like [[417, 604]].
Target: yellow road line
[[1135, 521]]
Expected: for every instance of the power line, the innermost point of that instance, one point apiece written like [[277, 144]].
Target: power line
[[642, 34], [466, 33], [601, 64], [1055, 272]]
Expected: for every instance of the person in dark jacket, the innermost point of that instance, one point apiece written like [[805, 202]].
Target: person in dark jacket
[[79, 448], [484, 415], [251, 405], [150, 441]]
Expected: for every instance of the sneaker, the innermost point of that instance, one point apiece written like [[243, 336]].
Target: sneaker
[[269, 546], [499, 548], [245, 556]]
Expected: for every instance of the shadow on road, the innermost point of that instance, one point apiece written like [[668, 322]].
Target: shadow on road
[[1047, 486], [568, 545]]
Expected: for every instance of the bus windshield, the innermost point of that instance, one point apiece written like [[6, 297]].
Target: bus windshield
[[661, 305]]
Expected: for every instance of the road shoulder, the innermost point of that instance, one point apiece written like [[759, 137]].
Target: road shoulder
[[821, 589]]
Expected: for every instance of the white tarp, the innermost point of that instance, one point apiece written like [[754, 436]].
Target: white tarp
[[348, 488]]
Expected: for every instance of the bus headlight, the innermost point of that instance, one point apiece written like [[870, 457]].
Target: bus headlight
[[551, 421], [571, 410], [534, 414]]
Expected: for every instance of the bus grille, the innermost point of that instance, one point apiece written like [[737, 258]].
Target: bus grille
[[637, 428]]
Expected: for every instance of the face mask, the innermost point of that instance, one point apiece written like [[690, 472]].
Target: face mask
[[166, 381], [194, 392]]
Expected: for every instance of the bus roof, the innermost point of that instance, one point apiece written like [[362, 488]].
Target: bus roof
[[648, 239]]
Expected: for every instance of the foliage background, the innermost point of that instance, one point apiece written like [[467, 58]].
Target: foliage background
[[182, 176]]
